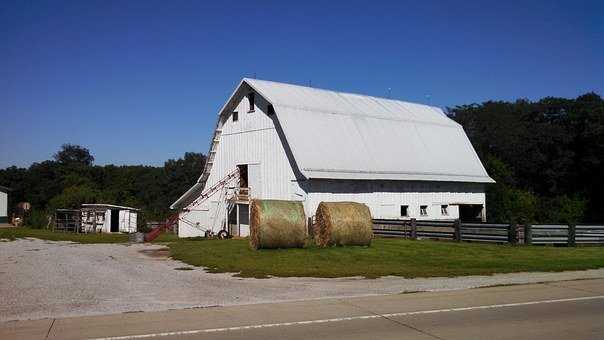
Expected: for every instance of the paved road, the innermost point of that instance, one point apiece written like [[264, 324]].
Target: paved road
[[561, 310]]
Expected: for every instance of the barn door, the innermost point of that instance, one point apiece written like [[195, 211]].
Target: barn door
[[115, 221], [255, 179]]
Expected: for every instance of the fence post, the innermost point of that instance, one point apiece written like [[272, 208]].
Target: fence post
[[572, 235], [413, 233], [528, 234], [457, 230], [513, 234]]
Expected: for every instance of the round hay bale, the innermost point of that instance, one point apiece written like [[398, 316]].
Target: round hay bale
[[343, 223], [277, 224]]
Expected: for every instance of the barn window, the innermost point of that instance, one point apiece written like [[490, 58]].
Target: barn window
[[444, 210], [235, 116], [250, 98], [423, 210], [404, 210]]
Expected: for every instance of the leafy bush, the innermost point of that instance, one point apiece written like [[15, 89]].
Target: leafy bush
[[510, 205], [37, 219], [562, 209]]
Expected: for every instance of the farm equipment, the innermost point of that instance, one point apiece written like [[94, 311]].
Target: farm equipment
[[181, 214]]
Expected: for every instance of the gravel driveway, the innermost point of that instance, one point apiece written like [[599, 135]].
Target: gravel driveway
[[41, 279]]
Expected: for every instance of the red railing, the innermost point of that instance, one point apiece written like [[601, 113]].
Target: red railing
[[155, 232]]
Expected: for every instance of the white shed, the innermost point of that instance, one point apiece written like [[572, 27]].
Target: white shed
[[291, 142], [4, 204], [108, 218]]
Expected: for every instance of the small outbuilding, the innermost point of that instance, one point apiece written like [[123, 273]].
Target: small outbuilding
[[4, 204], [108, 218], [97, 218]]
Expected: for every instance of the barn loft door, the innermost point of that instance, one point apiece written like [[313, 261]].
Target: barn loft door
[[255, 180], [243, 175]]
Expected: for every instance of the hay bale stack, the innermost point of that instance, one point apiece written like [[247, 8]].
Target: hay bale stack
[[343, 223], [277, 224]]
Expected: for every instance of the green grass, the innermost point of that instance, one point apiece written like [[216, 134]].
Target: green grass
[[385, 257], [166, 237], [45, 234]]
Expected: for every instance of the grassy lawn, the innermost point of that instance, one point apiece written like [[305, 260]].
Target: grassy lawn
[[44, 234], [385, 257]]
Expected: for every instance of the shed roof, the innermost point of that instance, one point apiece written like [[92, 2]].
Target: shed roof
[[107, 206], [339, 135]]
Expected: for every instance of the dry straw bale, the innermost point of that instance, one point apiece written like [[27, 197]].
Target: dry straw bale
[[343, 223], [277, 224]]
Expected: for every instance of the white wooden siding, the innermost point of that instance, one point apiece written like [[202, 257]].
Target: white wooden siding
[[3, 204], [384, 198], [252, 140]]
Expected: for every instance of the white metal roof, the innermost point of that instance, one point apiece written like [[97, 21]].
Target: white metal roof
[[107, 206], [335, 135], [349, 136]]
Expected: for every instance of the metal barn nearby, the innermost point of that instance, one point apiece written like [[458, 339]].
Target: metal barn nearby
[[280, 141], [97, 218], [108, 218], [4, 204]]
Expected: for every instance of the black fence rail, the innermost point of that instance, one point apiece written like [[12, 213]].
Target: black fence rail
[[490, 232]]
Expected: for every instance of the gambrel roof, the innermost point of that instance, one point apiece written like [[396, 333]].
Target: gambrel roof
[[335, 135], [349, 136]]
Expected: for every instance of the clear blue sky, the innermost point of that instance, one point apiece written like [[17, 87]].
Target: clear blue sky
[[139, 82]]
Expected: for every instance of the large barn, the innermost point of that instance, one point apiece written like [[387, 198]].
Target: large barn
[[281, 141]]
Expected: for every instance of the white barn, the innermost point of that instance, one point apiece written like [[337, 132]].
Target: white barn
[[291, 142]]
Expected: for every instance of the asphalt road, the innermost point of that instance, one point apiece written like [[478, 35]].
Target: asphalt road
[[561, 310]]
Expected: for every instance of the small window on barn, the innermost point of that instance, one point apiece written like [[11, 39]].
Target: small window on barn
[[235, 116], [250, 99], [270, 110], [444, 210], [404, 210], [423, 210]]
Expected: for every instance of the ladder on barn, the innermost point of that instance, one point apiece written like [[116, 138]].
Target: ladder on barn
[[211, 156]]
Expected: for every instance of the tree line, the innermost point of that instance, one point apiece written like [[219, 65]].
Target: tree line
[[545, 155], [71, 179]]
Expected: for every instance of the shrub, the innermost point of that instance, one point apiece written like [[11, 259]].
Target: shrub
[[37, 219]]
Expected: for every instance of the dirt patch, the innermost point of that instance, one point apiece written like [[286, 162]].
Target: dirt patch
[[156, 253]]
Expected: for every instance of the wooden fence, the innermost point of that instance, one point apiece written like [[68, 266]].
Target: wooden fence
[[491, 232]]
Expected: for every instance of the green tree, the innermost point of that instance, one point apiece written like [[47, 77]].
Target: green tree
[[553, 149], [74, 154]]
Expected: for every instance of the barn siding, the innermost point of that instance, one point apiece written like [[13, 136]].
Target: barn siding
[[253, 139], [384, 198], [3, 207]]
